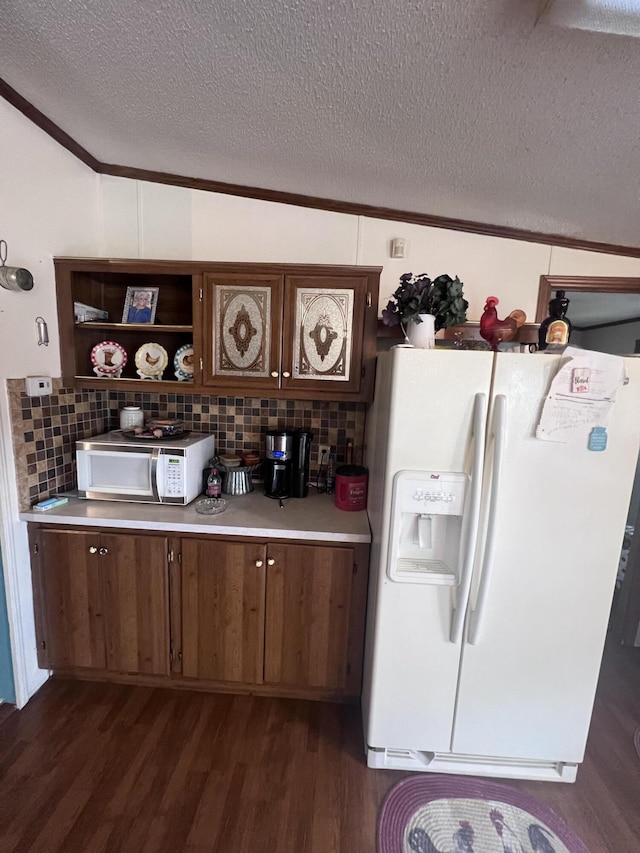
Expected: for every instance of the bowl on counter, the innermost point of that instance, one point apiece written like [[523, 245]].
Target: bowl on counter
[[211, 506]]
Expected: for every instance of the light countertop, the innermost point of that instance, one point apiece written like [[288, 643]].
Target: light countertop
[[314, 518]]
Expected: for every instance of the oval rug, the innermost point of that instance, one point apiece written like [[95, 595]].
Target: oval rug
[[450, 814]]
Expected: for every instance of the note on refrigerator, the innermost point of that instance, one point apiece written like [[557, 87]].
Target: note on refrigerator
[[581, 395]]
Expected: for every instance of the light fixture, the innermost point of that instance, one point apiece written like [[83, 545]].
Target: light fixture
[[13, 278]]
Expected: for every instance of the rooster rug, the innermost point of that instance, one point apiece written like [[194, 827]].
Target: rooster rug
[[448, 814]]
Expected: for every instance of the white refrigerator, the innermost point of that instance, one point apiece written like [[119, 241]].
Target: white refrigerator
[[494, 559]]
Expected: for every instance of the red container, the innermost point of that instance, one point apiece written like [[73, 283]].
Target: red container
[[351, 487]]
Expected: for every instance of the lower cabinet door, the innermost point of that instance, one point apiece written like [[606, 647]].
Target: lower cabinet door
[[223, 585], [72, 607], [136, 599], [307, 616]]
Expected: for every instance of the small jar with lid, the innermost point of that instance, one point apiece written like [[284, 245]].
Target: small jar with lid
[[131, 417]]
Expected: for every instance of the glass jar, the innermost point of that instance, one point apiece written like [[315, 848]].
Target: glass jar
[[131, 417]]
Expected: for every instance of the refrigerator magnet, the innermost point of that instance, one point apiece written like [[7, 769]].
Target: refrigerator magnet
[[580, 379], [598, 439]]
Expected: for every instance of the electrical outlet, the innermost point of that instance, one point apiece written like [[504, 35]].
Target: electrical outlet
[[323, 453]]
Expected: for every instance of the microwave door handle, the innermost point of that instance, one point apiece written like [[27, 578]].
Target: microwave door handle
[[154, 473]]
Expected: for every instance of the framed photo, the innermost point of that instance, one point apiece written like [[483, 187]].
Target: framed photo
[[140, 305]]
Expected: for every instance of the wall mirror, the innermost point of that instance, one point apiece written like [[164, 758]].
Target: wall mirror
[[604, 311]]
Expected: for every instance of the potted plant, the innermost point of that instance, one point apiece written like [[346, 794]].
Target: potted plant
[[418, 298]]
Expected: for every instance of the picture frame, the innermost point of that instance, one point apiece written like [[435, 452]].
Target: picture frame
[[140, 305]]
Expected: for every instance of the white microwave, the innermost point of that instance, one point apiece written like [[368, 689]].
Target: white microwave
[[112, 467]]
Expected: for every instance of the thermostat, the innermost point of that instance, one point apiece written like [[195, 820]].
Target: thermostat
[[37, 386]]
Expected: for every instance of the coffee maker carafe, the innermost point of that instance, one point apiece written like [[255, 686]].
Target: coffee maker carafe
[[278, 464]]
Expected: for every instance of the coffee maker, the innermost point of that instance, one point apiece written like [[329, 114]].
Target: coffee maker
[[286, 468], [278, 463]]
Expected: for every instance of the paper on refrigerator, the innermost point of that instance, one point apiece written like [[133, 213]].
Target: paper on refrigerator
[[581, 395]]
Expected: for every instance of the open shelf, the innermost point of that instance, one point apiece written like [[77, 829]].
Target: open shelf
[[132, 327]]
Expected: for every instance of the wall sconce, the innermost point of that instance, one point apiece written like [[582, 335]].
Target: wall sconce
[[13, 278]]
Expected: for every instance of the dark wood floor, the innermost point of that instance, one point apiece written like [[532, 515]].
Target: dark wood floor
[[93, 767]]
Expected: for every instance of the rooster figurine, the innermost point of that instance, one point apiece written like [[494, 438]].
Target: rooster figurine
[[494, 330]]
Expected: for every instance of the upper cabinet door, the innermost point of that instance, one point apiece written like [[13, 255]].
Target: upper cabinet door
[[242, 331], [323, 333]]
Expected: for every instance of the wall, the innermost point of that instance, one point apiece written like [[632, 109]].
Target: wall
[[49, 204], [7, 687], [154, 221], [53, 205], [618, 340]]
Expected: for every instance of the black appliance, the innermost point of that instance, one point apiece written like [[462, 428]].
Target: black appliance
[[300, 468], [278, 464]]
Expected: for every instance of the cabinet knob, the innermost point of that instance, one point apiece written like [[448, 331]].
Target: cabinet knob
[[274, 373], [259, 564], [103, 551], [286, 374], [93, 549], [271, 561]]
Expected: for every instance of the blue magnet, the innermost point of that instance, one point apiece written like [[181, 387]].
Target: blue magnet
[[598, 439]]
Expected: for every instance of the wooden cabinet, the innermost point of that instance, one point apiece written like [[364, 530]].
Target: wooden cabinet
[[219, 613], [308, 611], [70, 630], [101, 601], [288, 616], [222, 610], [104, 284], [301, 333], [284, 330]]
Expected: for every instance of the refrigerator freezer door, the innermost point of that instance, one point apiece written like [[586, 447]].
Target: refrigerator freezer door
[[421, 420], [527, 686]]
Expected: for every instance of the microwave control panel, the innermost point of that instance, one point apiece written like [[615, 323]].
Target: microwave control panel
[[174, 476]]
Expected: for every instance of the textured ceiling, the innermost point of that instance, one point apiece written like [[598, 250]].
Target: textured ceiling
[[455, 109]]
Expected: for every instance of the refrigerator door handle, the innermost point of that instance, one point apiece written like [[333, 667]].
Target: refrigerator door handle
[[464, 587], [499, 433]]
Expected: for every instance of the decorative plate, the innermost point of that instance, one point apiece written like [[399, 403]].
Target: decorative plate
[[148, 436], [151, 359], [183, 362], [109, 357]]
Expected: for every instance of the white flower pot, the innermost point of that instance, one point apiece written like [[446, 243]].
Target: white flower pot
[[422, 335]]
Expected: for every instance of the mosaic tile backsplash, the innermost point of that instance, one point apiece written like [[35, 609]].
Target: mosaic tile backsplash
[[45, 429]]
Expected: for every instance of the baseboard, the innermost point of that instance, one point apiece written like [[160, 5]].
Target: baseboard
[[471, 765]]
